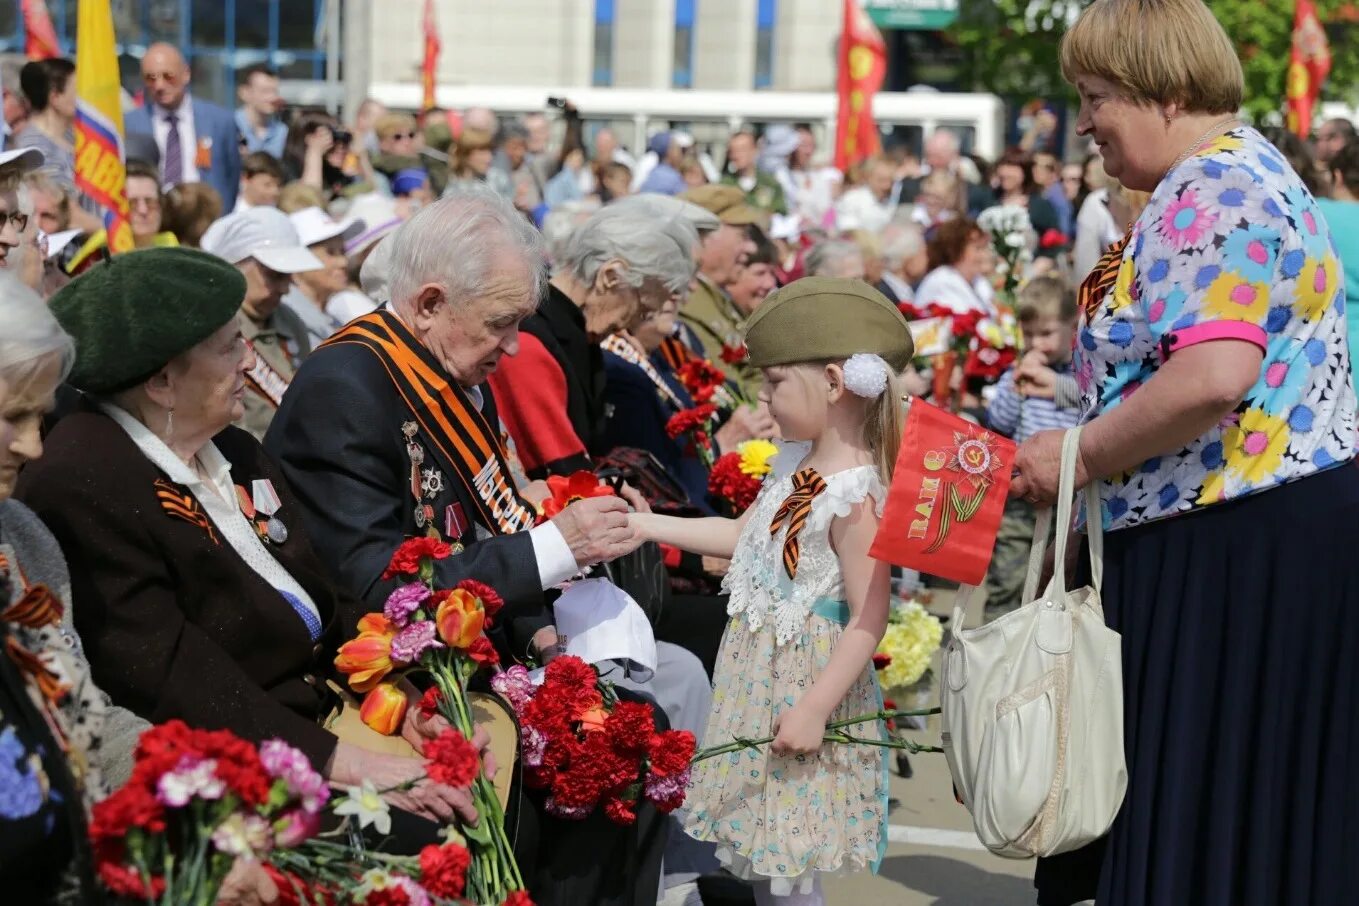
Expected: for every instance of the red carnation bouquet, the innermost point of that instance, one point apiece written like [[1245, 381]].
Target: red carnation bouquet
[[698, 423], [197, 801], [590, 750], [440, 632]]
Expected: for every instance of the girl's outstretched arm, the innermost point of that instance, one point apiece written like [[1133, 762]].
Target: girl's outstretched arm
[[867, 587], [711, 536]]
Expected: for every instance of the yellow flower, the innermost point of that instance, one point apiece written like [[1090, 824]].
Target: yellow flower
[[1123, 295], [912, 637], [755, 456], [1219, 144], [1230, 298], [1316, 287], [1254, 447]]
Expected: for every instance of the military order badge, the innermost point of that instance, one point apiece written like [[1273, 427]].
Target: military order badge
[[948, 494]]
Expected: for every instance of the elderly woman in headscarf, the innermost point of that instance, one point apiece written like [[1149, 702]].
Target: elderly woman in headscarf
[[196, 590]]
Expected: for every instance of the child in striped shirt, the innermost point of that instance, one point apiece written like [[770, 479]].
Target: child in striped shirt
[[1035, 395]]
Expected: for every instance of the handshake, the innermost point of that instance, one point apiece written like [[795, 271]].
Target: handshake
[[597, 529]]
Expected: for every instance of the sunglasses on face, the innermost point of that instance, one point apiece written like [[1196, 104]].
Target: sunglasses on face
[[16, 219], [401, 136]]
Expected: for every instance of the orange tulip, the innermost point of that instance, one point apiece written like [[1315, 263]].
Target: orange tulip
[[592, 721], [460, 619], [367, 658], [384, 708]]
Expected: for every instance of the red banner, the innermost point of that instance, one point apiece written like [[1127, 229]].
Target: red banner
[[41, 42], [863, 64], [1309, 65], [431, 61], [948, 494]]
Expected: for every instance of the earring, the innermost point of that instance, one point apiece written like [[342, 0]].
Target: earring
[[169, 425]]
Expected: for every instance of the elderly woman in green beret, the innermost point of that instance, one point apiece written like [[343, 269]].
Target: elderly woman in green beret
[[196, 590]]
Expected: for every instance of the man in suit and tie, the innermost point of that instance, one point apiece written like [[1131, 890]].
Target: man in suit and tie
[[196, 140]]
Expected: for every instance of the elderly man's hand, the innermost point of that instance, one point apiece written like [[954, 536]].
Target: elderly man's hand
[[597, 530], [248, 884]]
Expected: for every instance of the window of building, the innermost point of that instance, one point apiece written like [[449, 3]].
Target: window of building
[[766, 11], [682, 73], [603, 63]]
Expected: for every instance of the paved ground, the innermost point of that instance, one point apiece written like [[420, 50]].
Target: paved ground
[[934, 858]]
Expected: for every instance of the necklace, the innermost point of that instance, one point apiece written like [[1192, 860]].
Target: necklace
[[1198, 143]]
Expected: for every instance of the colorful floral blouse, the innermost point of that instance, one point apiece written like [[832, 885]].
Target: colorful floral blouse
[[1231, 246]]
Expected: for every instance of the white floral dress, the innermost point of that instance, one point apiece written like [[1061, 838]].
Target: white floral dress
[[786, 818]]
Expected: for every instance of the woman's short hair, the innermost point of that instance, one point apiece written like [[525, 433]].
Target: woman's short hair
[[31, 334], [261, 163], [1157, 52], [650, 249], [469, 141], [950, 241], [824, 257], [190, 208], [1018, 157], [765, 250], [307, 122], [1345, 164], [38, 79]]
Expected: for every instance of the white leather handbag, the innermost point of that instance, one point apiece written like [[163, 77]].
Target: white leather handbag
[[1033, 704]]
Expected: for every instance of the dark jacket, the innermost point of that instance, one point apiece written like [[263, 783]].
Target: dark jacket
[[337, 438], [175, 624]]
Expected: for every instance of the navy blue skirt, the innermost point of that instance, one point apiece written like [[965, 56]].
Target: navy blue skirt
[[1240, 628]]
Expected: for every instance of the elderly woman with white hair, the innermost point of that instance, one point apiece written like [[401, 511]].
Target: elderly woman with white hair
[[836, 258]]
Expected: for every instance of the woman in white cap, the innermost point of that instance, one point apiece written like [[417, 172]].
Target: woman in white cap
[[312, 290]]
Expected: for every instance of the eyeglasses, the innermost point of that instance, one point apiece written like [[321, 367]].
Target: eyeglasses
[[16, 219]]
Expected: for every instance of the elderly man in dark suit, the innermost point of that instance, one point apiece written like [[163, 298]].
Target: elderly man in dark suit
[[388, 429], [196, 140]]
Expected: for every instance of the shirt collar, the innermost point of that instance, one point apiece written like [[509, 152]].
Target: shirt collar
[[184, 109], [153, 448]]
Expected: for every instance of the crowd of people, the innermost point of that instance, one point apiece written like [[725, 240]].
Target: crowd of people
[[334, 336]]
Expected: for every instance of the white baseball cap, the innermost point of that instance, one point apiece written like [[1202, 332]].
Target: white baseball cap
[[25, 160], [314, 225], [265, 234], [378, 213]]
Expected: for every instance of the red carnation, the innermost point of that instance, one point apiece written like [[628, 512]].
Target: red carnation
[[451, 759], [443, 870], [429, 702], [734, 353], [406, 560], [294, 891], [387, 896], [127, 882], [701, 379], [1052, 239], [881, 661], [671, 752], [630, 726], [518, 898], [686, 420], [484, 653], [888, 705], [491, 602], [620, 811], [727, 482], [988, 363]]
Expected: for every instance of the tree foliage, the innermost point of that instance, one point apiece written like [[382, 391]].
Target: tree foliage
[[1011, 46]]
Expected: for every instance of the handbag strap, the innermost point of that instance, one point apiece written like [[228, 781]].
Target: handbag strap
[[1094, 526]]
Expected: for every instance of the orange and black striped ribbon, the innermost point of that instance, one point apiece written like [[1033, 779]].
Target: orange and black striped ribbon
[[36, 607], [676, 353], [183, 505], [793, 512], [449, 422], [1101, 280]]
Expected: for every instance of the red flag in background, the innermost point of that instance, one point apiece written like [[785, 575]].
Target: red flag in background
[[863, 64], [1309, 65], [948, 493], [431, 60], [41, 43]]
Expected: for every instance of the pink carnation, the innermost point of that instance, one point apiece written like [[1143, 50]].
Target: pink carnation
[[413, 641], [515, 686], [403, 602]]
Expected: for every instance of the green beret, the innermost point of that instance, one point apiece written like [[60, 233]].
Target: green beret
[[132, 314], [823, 318]]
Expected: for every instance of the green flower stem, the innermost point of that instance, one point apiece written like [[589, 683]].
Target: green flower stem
[[737, 745]]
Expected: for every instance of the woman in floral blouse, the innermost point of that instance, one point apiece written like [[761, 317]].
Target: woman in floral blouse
[[1220, 428]]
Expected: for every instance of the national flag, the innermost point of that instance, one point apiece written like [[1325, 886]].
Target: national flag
[[862, 66], [41, 38], [99, 170], [430, 64], [1309, 65], [947, 496]]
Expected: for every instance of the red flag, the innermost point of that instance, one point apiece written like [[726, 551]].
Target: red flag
[[1309, 65], [863, 63], [42, 41], [431, 61], [948, 493]]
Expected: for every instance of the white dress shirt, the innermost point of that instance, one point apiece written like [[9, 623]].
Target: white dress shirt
[[188, 138]]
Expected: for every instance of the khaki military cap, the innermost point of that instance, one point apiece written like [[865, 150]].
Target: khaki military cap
[[727, 202], [824, 318]]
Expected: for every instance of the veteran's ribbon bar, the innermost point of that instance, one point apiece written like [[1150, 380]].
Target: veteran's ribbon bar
[[947, 496]]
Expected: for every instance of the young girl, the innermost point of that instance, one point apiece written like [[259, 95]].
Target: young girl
[[808, 604]]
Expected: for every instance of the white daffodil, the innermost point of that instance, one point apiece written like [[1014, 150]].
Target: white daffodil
[[364, 803]]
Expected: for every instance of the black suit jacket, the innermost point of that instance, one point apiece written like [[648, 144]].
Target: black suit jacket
[[175, 624], [337, 437]]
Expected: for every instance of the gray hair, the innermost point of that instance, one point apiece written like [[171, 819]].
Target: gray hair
[[31, 333], [561, 224], [668, 206], [901, 241], [513, 129], [450, 242], [660, 250], [824, 257]]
